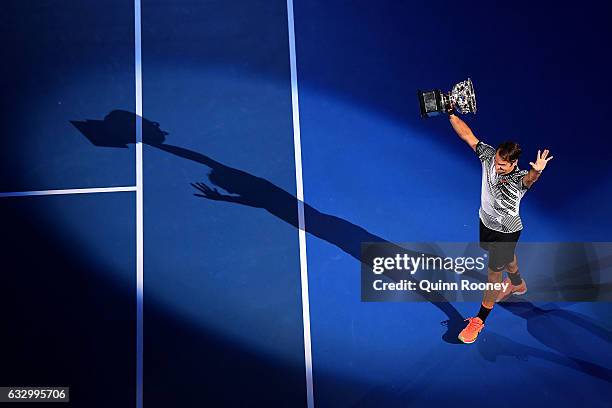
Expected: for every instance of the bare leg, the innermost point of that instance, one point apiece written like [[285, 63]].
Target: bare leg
[[488, 299], [512, 267], [469, 334], [475, 325], [517, 284]]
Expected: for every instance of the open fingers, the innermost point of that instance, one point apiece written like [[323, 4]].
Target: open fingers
[[201, 186]]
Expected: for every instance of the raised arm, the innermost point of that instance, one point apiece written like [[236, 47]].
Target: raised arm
[[463, 130], [536, 168]]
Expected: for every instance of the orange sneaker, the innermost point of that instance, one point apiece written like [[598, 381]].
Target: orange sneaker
[[511, 290], [471, 331]]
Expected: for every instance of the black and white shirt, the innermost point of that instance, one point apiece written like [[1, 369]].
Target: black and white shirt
[[500, 195]]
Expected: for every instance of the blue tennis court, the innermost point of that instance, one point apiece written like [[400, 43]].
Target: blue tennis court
[[301, 121]]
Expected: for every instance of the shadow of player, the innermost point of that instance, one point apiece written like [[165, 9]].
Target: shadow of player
[[118, 129], [557, 329], [497, 346]]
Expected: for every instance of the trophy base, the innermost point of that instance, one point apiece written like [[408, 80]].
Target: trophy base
[[431, 103]]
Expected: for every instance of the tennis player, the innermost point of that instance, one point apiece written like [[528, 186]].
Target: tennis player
[[503, 186]]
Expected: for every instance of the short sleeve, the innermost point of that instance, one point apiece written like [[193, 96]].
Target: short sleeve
[[484, 151], [521, 176], [517, 180]]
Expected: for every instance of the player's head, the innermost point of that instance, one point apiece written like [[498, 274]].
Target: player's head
[[506, 157]]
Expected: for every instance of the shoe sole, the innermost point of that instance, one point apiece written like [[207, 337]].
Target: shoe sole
[[466, 342], [513, 293]]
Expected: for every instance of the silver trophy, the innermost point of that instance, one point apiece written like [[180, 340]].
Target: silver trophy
[[462, 99]]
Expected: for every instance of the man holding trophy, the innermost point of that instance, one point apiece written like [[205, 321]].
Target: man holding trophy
[[503, 186]]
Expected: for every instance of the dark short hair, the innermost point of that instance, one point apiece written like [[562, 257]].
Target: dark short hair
[[509, 151]]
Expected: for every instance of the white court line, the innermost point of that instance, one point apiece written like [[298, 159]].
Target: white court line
[[68, 191], [139, 203], [300, 199]]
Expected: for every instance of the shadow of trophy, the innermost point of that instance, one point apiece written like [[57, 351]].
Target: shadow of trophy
[[118, 129]]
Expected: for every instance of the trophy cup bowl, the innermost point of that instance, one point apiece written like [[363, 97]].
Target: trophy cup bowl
[[461, 98]]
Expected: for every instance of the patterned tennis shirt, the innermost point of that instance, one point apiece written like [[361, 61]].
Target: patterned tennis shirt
[[500, 196]]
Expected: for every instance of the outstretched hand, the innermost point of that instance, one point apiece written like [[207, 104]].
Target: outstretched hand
[[541, 161], [207, 192]]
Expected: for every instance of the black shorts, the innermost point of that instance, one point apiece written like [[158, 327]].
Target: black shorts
[[501, 246]]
